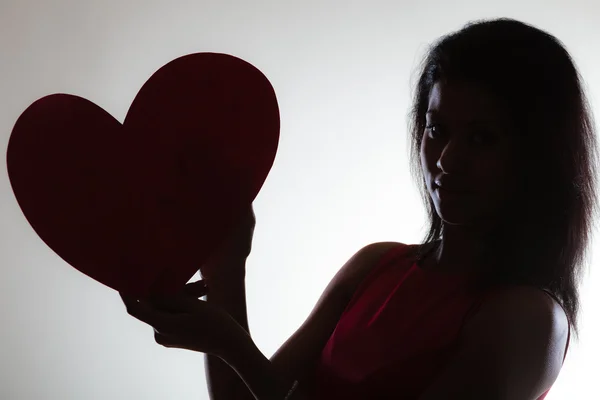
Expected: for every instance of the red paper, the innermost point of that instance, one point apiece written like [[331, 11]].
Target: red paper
[[139, 206]]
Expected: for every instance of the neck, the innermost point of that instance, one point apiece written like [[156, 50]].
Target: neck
[[457, 252]]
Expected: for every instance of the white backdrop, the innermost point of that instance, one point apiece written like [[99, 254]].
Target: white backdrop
[[342, 72]]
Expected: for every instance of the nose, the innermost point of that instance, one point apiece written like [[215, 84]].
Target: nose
[[454, 158]]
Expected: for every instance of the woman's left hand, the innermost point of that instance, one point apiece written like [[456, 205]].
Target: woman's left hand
[[184, 321]]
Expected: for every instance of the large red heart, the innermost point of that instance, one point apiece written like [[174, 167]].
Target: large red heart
[[139, 206]]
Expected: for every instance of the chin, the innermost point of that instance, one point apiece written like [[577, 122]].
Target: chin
[[459, 216]]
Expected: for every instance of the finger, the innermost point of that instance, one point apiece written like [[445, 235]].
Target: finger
[[196, 289], [144, 312], [161, 339], [175, 304], [171, 341]]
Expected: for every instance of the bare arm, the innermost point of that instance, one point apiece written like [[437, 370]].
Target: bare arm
[[512, 349], [297, 357], [263, 378], [223, 382]]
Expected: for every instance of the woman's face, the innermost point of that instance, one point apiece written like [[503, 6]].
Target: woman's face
[[468, 148]]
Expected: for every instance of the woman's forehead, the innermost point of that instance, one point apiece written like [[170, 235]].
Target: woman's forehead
[[465, 101]]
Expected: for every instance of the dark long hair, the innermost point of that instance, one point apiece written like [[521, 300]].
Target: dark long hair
[[545, 238]]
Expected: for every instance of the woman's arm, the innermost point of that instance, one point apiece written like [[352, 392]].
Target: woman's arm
[[225, 275], [260, 375], [512, 348], [296, 358], [230, 295]]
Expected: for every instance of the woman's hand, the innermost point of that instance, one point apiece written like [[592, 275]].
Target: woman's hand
[[229, 260], [186, 322]]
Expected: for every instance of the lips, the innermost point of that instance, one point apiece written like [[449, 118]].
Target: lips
[[451, 187], [451, 191]]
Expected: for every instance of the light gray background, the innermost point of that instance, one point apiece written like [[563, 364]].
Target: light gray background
[[342, 72]]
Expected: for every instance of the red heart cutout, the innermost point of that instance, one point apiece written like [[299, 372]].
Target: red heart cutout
[[139, 206]]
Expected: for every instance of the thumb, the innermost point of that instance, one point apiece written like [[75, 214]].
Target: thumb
[[178, 304], [196, 289]]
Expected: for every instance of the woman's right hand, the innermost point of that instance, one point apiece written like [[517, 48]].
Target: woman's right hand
[[229, 260]]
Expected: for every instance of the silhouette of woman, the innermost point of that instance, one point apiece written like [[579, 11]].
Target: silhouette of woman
[[504, 154]]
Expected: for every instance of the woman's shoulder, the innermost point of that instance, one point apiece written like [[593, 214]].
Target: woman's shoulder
[[525, 300], [369, 257], [521, 319], [364, 260], [519, 308], [378, 250]]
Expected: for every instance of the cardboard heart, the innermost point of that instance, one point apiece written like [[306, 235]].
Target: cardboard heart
[[139, 206]]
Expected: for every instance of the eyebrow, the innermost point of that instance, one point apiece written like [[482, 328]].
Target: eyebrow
[[484, 121]]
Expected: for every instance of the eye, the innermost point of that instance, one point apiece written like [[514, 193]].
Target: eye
[[433, 130]]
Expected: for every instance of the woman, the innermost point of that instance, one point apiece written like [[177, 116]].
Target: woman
[[504, 153]]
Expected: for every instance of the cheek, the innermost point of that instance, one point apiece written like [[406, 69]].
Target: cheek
[[500, 185], [424, 167], [427, 158]]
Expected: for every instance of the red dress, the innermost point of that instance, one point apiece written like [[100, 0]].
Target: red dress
[[396, 334]]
